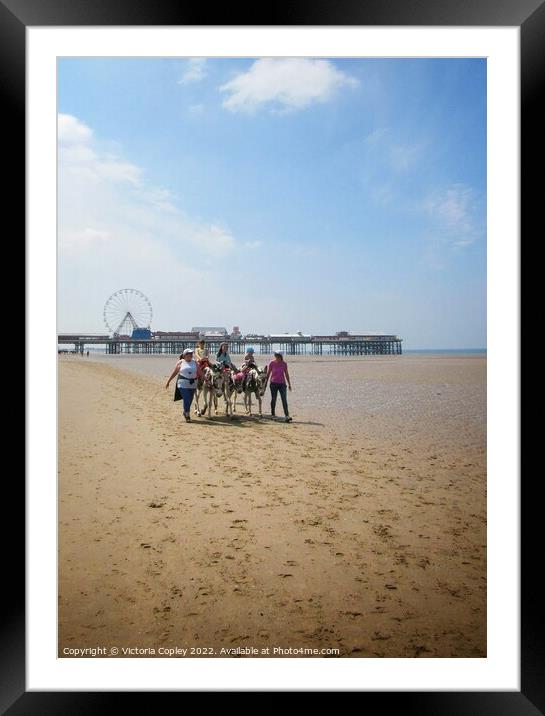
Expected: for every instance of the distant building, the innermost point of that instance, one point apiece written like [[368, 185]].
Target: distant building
[[83, 336], [373, 337], [141, 334], [280, 336], [348, 336], [176, 336], [235, 333], [210, 332]]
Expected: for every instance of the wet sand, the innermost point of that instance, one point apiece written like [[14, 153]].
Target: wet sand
[[361, 526]]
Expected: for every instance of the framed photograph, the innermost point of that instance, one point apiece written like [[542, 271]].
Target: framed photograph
[[306, 230]]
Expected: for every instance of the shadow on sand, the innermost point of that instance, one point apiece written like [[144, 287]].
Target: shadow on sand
[[244, 421]]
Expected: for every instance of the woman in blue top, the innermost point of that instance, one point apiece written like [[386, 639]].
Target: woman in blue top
[[223, 358]]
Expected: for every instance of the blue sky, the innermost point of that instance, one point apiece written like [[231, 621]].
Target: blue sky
[[277, 194]]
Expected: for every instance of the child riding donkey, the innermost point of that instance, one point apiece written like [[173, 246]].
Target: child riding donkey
[[241, 377]]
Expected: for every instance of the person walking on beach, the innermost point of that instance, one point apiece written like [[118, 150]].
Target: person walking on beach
[[188, 373], [278, 373]]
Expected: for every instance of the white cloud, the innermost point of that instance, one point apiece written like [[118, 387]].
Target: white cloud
[[115, 230], [116, 170], [456, 223], [195, 71], [389, 166], [253, 244], [288, 84], [159, 198], [72, 131], [78, 154], [453, 212], [85, 236], [103, 193], [399, 156], [403, 157], [216, 239], [454, 209]]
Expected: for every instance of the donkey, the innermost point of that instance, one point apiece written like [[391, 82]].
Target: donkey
[[198, 393], [229, 390], [255, 383], [212, 389], [238, 381]]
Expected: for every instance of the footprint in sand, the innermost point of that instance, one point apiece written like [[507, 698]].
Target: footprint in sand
[[378, 636]]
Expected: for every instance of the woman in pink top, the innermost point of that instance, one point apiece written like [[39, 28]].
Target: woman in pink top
[[278, 373]]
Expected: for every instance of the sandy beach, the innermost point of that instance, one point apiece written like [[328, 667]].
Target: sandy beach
[[360, 527]]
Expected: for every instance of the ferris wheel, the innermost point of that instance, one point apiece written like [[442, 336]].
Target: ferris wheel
[[127, 310]]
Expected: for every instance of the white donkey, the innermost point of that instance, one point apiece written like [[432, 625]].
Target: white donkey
[[212, 389], [198, 393], [229, 392], [255, 383]]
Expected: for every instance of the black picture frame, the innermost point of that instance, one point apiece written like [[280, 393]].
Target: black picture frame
[[529, 15]]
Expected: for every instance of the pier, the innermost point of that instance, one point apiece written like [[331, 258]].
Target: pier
[[300, 345]]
